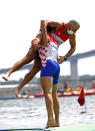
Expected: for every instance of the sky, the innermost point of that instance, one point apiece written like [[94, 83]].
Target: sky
[[20, 23]]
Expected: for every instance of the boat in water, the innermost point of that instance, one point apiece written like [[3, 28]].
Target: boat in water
[[63, 94]]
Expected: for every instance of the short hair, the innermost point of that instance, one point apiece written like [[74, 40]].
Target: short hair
[[74, 23]]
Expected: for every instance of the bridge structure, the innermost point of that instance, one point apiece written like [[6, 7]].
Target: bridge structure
[[73, 64]]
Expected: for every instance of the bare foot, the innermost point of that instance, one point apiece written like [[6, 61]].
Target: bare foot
[[50, 124], [16, 92], [57, 125], [5, 77]]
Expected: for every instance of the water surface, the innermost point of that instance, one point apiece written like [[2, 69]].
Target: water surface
[[31, 113]]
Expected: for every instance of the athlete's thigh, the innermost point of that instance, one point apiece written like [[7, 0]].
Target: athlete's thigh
[[37, 65], [31, 53], [46, 84], [56, 74]]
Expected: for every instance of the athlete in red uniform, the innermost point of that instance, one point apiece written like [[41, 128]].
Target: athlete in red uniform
[[66, 30], [61, 33]]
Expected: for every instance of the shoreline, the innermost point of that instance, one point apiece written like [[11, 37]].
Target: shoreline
[[7, 90]]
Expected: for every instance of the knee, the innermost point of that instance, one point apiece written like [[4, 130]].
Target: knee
[[34, 43], [48, 94]]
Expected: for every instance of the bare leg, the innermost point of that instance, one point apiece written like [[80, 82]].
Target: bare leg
[[35, 69], [30, 56], [56, 104], [46, 84]]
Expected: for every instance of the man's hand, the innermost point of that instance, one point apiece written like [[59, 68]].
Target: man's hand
[[60, 59]]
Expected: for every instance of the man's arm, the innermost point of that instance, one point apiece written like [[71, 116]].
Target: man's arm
[[44, 35], [52, 24], [72, 42]]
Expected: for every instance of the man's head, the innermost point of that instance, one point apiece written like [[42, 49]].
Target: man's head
[[73, 26]]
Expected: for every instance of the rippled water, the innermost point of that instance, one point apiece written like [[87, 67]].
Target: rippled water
[[31, 113]]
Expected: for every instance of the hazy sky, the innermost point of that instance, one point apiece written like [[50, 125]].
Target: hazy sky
[[20, 22]]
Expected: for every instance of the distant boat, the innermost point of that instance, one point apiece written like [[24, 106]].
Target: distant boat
[[73, 93]]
